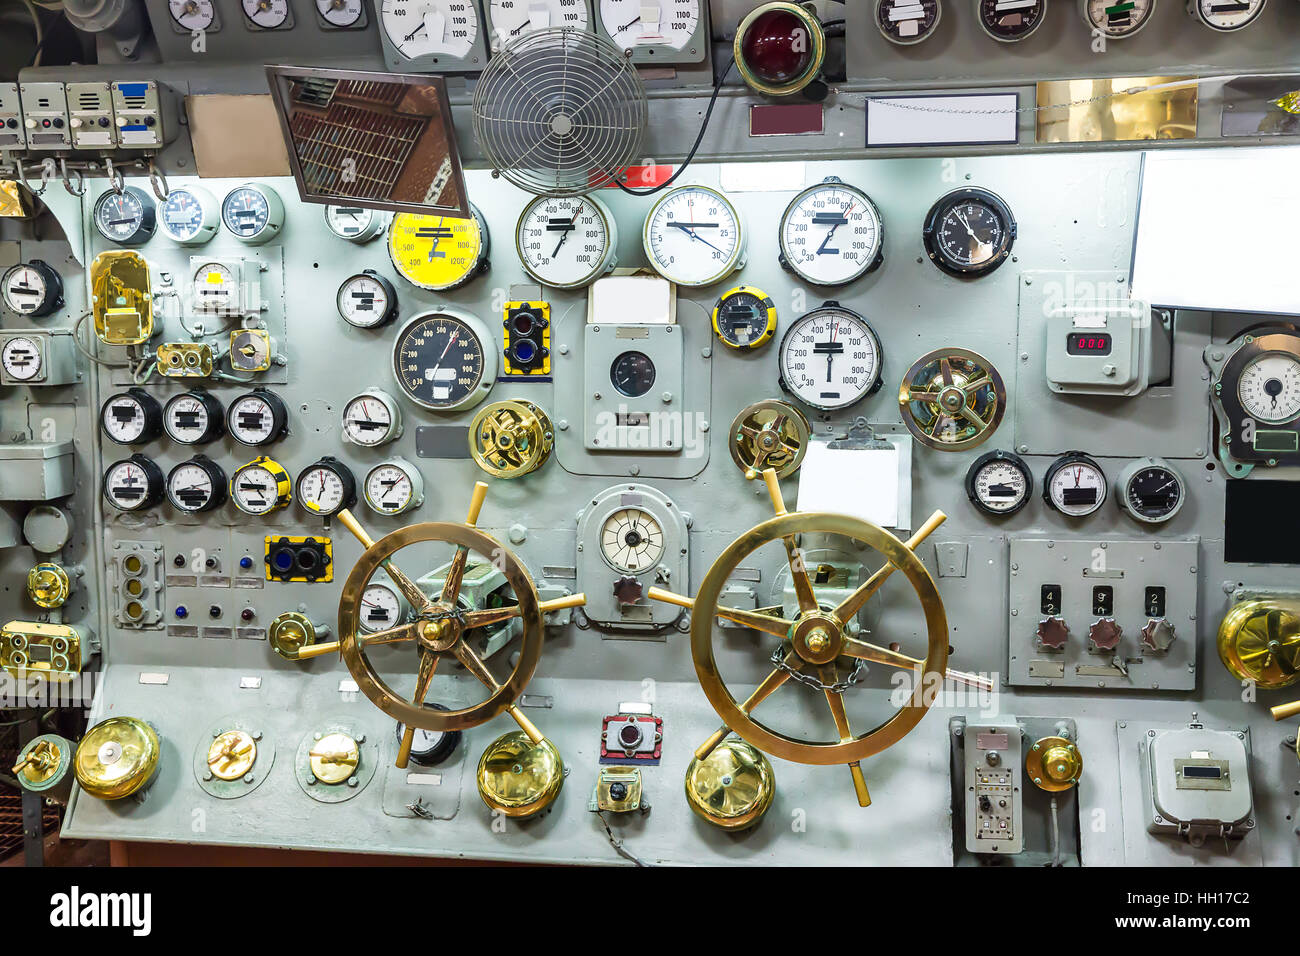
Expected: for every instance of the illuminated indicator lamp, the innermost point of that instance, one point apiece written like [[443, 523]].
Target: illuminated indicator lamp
[[779, 49]]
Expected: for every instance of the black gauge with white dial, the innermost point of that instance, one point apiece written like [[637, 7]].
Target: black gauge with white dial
[[1116, 19], [366, 300], [969, 232], [341, 14], [32, 289], [133, 484], [1009, 21], [1225, 16], [907, 21], [831, 234], [253, 212], [326, 487], [257, 418], [1075, 485], [632, 373], [127, 217], [371, 419], [831, 358], [999, 483], [196, 485], [429, 747], [445, 360], [132, 417], [267, 14], [193, 418], [1150, 490]]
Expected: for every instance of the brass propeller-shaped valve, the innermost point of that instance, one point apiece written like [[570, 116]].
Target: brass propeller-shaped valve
[[816, 638]]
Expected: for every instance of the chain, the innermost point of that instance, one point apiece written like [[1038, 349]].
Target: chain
[[839, 687], [899, 105]]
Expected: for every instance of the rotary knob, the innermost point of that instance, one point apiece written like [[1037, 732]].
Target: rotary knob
[[1104, 634], [1052, 633], [628, 590], [1157, 635]]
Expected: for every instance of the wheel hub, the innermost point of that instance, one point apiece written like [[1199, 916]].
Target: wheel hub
[[817, 637]]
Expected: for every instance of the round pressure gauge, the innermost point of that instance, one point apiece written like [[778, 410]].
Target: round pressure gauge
[[340, 14], [190, 215], [133, 484], [326, 486], [366, 300], [445, 361], [1009, 21], [830, 358], [631, 540], [744, 318], [694, 236], [632, 373], [192, 15], [354, 223], [22, 359], [196, 485], [1075, 485], [438, 252], [634, 23], [969, 232], [260, 487], [430, 747], [1225, 16], [257, 418], [907, 21], [132, 417], [393, 487], [266, 14], [381, 608], [216, 289], [126, 218], [193, 418], [372, 418], [831, 234], [253, 212], [1116, 19], [566, 242], [32, 289], [1269, 387], [508, 20], [1150, 490], [418, 28], [999, 483]]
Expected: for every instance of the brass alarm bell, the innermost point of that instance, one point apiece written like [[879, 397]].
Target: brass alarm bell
[[1054, 764], [732, 787], [519, 778], [117, 757], [48, 585]]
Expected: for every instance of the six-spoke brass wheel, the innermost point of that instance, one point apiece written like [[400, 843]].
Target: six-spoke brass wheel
[[952, 399]]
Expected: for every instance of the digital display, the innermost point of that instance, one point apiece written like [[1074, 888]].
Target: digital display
[[1088, 343]]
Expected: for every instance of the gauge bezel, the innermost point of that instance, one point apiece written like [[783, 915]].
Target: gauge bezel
[[413, 475], [1064, 461], [274, 214], [695, 49], [208, 225], [212, 27], [389, 403], [347, 478], [220, 484], [1194, 9], [938, 16], [831, 306], [375, 226], [1010, 458], [390, 292], [942, 206], [150, 407], [143, 229], [659, 523], [871, 265], [608, 258], [487, 346], [1083, 12], [362, 20], [279, 416], [765, 302], [735, 261], [495, 43], [482, 260], [211, 404], [155, 483], [1130, 473], [51, 302], [988, 31]]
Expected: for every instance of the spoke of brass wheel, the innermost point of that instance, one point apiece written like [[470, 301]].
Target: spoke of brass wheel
[[922, 396], [883, 655], [762, 692], [392, 635], [836, 703], [475, 665], [979, 423], [766, 623], [456, 570], [414, 596], [798, 572], [1283, 711], [428, 664], [975, 384], [945, 370], [853, 603]]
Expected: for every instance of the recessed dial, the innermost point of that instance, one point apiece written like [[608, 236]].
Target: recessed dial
[[190, 15], [134, 484], [693, 236], [257, 418], [196, 485], [999, 483], [253, 212], [126, 218], [438, 252], [190, 215], [907, 21], [632, 540], [634, 23], [132, 417], [831, 234], [340, 14], [260, 487], [744, 318], [266, 14], [429, 747], [830, 358], [326, 486], [1009, 21], [216, 289], [22, 359], [969, 232], [566, 242], [444, 360], [354, 223], [381, 608], [510, 19], [366, 300], [193, 418], [1117, 19], [1269, 387], [1150, 490], [632, 373], [393, 487], [1075, 485], [1225, 16], [371, 419], [418, 28], [32, 289]]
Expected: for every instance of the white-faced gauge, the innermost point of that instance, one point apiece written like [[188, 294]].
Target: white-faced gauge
[[267, 14], [566, 241], [326, 486], [257, 418], [1269, 387], [193, 418], [196, 485], [694, 236], [341, 14], [127, 217], [831, 234], [1150, 490], [22, 359], [417, 28], [969, 232], [190, 215], [744, 318], [830, 358], [191, 15], [430, 747], [650, 23], [260, 487], [445, 360], [381, 608], [1075, 485], [133, 484], [999, 483], [354, 223], [253, 212], [1116, 19], [216, 289], [907, 21], [132, 417], [509, 20], [393, 487], [32, 289], [1009, 21], [1225, 16], [372, 418], [366, 300]]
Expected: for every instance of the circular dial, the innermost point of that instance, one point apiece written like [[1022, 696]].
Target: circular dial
[[1151, 490], [1117, 19], [133, 484], [266, 14], [193, 418], [254, 213], [131, 417], [258, 418], [631, 540], [126, 218], [830, 358], [744, 318], [366, 300], [339, 13], [633, 23], [354, 223], [907, 21], [999, 483], [512, 19], [1226, 15], [1269, 387], [326, 486], [216, 288], [394, 486], [381, 608], [192, 15], [693, 236], [444, 361], [430, 747], [633, 374], [438, 252], [430, 27], [1010, 20], [372, 418], [32, 288], [196, 485], [260, 487], [831, 234], [566, 242], [969, 232], [22, 359], [190, 215], [1075, 485]]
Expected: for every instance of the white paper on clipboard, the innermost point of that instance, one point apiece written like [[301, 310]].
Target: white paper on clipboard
[[871, 483], [632, 300]]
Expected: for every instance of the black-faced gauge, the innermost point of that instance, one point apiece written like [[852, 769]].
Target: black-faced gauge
[[969, 232], [430, 747], [999, 483], [260, 487], [196, 485], [22, 359], [445, 360], [744, 318], [133, 484], [907, 21], [267, 14], [132, 417], [830, 358], [1150, 490], [372, 418], [393, 487], [1116, 19], [1225, 16], [381, 608], [1075, 485], [631, 540], [190, 215], [508, 20], [326, 486], [366, 300], [257, 418], [632, 373], [694, 236], [354, 223], [566, 241], [1269, 387], [191, 15], [253, 212], [341, 14], [831, 234], [127, 217], [1009, 21], [417, 28], [32, 289], [193, 418]]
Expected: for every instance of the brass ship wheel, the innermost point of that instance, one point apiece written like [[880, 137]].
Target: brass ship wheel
[[816, 638], [439, 626], [952, 399]]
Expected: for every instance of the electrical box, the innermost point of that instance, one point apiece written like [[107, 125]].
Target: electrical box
[[1107, 350], [90, 108], [36, 471], [31, 357], [13, 134], [138, 109], [45, 115], [634, 389], [1197, 783], [994, 797]]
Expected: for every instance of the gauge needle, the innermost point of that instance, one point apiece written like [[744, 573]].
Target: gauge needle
[[690, 227], [835, 222], [564, 227]]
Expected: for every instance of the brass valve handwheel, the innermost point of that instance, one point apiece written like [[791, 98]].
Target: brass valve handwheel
[[952, 399], [510, 439], [769, 434]]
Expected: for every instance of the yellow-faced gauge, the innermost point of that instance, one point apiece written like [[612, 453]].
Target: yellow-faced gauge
[[260, 487], [438, 252], [744, 318]]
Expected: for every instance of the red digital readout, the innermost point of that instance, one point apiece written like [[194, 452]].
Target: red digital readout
[[1088, 343]]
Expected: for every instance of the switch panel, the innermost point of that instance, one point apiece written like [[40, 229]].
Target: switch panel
[[13, 134], [993, 758], [45, 115], [90, 108], [138, 109]]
